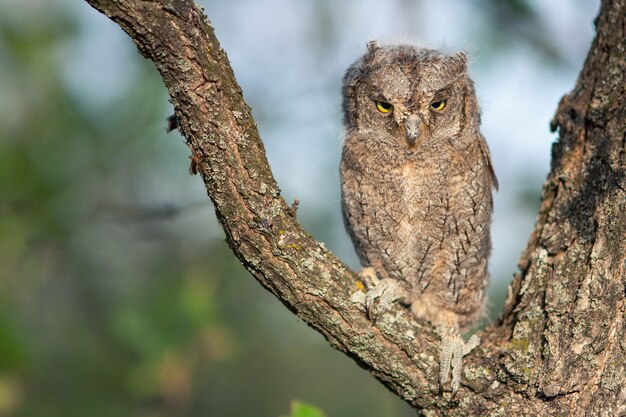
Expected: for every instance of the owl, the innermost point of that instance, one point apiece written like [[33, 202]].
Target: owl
[[417, 181]]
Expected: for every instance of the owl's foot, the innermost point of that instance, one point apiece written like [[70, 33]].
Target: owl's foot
[[380, 297], [453, 348]]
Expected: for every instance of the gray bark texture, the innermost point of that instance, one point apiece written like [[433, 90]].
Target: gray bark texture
[[560, 346]]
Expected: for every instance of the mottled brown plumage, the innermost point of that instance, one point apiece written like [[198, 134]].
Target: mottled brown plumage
[[416, 186]]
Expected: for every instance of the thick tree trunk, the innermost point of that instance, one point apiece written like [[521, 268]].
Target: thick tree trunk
[[566, 312], [560, 348]]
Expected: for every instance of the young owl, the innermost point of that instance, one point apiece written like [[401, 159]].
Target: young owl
[[416, 181]]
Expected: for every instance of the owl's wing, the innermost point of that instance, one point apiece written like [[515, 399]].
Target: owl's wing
[[484, 152]]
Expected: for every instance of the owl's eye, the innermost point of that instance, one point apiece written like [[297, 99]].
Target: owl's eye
[[438, 105], [383, 106]]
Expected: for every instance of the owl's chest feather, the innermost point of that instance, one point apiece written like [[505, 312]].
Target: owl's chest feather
[[405, 199], [409, 189]]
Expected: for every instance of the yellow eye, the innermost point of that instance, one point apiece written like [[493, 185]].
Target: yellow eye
[[383, 107], [438, 105]]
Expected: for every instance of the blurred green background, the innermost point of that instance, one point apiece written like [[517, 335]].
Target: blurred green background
[[118, 295]]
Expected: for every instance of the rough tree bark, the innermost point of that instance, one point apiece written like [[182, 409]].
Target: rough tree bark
[[560, 347]]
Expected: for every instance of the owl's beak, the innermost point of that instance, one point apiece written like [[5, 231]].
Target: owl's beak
[[412, 124]]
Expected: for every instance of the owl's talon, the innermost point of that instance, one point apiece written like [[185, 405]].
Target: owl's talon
[[471, 343], [453, 348], [381, 296]]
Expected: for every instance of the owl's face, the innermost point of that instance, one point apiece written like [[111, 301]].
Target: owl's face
[[417, 96]]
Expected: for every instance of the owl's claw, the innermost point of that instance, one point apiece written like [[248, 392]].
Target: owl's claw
[[381, 296], [453, 348]]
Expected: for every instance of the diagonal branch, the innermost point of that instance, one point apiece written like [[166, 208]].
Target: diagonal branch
[[264, 234]]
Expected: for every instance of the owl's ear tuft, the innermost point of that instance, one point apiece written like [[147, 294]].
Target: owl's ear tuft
[[372, 46], [460, 61]]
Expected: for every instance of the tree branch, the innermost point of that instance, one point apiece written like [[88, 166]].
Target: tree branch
[[318, 288]]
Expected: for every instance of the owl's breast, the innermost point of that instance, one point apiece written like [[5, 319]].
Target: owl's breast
[[392, 206]]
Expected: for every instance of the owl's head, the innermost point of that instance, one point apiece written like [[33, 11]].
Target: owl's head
[[417, 95]]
